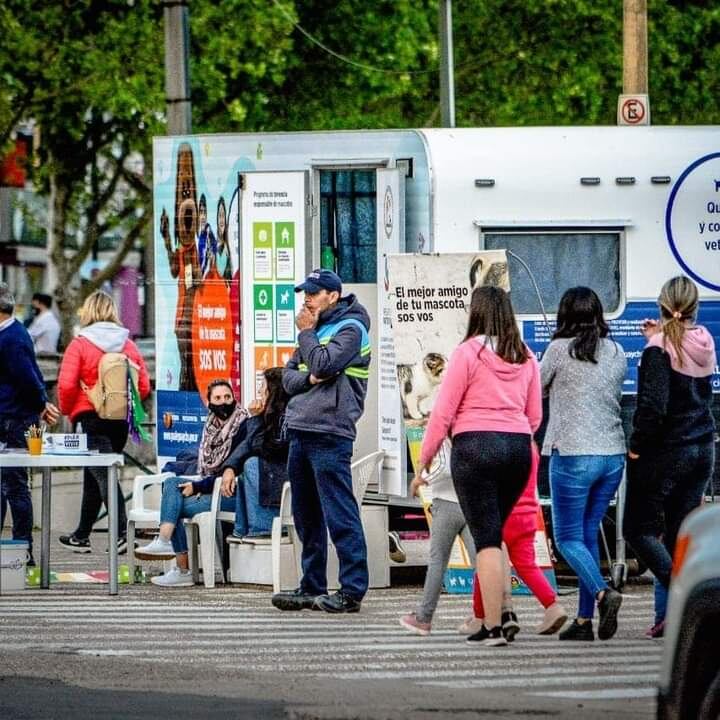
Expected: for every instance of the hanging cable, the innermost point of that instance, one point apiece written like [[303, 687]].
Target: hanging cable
[[349, 61]]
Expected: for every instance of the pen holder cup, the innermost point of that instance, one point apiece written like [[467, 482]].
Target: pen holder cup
[[35, 445]]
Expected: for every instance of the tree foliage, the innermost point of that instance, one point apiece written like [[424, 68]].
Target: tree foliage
[[90, 74]]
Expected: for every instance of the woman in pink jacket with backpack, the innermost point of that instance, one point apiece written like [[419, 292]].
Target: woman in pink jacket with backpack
[[100, 333]]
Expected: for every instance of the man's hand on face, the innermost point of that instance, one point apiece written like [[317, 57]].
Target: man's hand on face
[[306, 319]]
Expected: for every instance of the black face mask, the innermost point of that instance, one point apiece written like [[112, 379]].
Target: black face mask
[[35, 311], [222, 410]]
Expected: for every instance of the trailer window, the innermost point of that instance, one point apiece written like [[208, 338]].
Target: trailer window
[[559, 260], [348, 241]]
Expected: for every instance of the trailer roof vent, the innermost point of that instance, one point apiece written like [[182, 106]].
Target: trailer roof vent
[[484, 182], [589, 180], [627, 180], [660, 179]]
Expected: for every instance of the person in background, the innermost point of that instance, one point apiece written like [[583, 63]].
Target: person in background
[[671, 449], [23, 402], [326, 379], [100, 333], [184, 498], [45, 328], [489, 402], [582, 371], [256, 470]]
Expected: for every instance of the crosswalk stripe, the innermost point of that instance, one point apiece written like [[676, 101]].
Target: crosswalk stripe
[[541, 681], [604, 694]]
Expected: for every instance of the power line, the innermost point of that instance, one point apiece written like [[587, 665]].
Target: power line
[[344, 58]]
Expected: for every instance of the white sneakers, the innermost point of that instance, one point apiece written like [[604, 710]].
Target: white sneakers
[[157, 548], [174, 578], [470, 625]]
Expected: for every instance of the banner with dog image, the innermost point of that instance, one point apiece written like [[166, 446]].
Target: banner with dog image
[[428, 299]]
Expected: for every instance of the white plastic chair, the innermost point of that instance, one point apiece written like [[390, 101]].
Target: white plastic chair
[[141, 515], [362, 471], [205, 529]]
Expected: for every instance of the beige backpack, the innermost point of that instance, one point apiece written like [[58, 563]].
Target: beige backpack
[[109, 395]]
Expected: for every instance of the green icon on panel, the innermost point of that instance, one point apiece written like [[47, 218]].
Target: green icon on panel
[[284, 235], [262, 297], [262, 234]]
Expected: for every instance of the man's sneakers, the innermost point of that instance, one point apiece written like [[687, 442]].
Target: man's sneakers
[[578, 631], [338, 602], [295, 600], [608, 608], [174, 577], [158, 548], [656, 631], [75, 544], [489, 638], [397, 551], [415, 626]]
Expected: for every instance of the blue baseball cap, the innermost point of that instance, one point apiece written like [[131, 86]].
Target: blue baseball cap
[[319, 280]]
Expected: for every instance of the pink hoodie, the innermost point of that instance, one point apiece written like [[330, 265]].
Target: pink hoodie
[[698, 352], [482, 392]]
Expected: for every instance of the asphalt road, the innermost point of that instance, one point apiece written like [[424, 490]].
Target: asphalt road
[[74, 652]]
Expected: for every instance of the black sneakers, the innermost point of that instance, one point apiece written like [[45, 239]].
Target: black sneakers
[[510, 625], [338, 602], [608, 608], [121, 545], [75, 544], [490, 638], [578, 631], [295, 600]]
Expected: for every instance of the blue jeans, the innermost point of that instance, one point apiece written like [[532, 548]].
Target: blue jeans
[[582, 487], [251, 518], [174, 506], [322, 500], [661, 600], [14, 488]]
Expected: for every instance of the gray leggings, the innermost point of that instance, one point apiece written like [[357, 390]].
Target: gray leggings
[[448, 522]]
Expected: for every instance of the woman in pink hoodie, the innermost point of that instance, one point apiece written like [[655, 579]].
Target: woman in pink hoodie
[[489, 403], [671, 449]]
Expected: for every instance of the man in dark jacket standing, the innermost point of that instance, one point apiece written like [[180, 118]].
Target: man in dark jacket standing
[[326, 379], [23, 402]]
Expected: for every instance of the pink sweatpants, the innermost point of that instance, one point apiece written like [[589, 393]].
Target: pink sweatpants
[[519, 536]]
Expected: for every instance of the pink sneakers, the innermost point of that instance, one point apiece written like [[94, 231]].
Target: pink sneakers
[[413, 625]]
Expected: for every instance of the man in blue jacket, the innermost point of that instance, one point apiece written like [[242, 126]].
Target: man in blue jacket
[[327, 381], [23, 402]]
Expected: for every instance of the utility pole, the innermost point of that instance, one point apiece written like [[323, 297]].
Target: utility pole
[[635, 47], [447, 69], [177, 67], [179, 117]]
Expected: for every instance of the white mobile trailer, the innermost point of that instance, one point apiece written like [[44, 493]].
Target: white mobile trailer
[[619, 209]]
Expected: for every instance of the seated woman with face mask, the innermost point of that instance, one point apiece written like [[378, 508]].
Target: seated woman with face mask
[[181, 498]]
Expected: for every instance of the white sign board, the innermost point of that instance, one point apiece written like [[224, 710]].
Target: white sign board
[[692, 220], [272, 222]]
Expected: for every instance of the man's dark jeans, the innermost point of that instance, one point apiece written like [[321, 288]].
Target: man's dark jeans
[[15, 486], [322, 500]]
